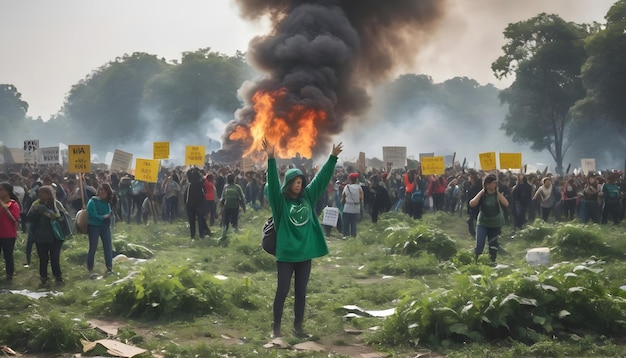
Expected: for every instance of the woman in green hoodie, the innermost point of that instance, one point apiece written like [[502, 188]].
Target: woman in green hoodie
[[299, 235]]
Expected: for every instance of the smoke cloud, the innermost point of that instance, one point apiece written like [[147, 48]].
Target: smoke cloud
[[325, 53]]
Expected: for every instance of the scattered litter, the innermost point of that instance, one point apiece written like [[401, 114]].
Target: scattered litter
[[7, 350], [226, 336], [221, 277], [109, 328], [276, 343], [358, 311], [310, 346], [386, 277], [371, 355], [361, 267], [114, 348], [353, 331], [35, 295]]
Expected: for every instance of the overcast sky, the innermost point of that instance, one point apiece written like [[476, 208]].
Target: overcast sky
[[48, 46]]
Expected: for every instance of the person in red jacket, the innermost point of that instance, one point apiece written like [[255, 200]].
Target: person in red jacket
[[9, 216], [209, 196]]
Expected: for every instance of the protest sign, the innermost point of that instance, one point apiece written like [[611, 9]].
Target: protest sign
[[487, 161], [510, 161], [161, 150], [331, 215], [433, 165], [194, 155], [361, 162], [79, 158], [147, 170], [395, 155], [588, 165], [31, 148], [49, 155], [121, 161]]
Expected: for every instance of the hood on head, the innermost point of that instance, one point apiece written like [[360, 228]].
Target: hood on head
[[290, 175]]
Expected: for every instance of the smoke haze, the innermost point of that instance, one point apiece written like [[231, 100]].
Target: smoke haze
[[324, 53]]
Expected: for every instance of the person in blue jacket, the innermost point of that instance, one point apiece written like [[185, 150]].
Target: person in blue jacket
[[99, 226], [299, 235]]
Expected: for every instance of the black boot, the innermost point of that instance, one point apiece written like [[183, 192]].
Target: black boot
[[276, 330], [299, 332]]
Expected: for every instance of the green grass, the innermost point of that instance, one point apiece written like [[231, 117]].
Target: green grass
[[175, 305]]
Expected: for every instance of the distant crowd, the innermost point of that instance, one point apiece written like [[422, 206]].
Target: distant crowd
[[215, 195]]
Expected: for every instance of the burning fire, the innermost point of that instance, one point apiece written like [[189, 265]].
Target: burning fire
[[295, 133]]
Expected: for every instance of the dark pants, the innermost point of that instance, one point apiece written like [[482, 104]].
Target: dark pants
[[489, 234], [613, 210], [171, 209], [439, 201], [230, 216], [103, 232], [211, 211], [196, 213], [349, 224], [7, 245], [569, 209], [49, 252], [30, 241], [545, 213], [284, 272], [519, 214]]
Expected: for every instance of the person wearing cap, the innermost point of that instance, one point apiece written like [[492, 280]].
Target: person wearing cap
[[352, 200], [299, 235], [490, 219]]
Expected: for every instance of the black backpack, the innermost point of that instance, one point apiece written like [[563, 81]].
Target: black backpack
[[268, 237]]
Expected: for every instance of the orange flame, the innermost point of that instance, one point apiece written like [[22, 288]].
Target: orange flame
[[297, 133]]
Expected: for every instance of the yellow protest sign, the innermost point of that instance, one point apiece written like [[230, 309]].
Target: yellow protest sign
[[487, 161], [194, 155], [510, 161], [147, 170], [161, 150], [79, 158], [433, 165]]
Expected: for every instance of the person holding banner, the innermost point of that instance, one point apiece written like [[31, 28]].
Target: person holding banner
[[489, 202], [9, 217], [299, 235]]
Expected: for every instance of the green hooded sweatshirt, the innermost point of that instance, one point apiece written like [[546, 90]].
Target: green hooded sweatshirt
[[299, 235]]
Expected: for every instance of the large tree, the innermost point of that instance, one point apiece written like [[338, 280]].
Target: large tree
[[104, 108], [545, 53], [12, 114], [203, 82]]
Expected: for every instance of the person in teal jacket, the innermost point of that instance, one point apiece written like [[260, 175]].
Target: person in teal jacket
[[99, 226], [299, 235]]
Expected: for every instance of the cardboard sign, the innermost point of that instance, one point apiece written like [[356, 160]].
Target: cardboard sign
[[331, 216], [510, 161], [194, 155], [360, 163], [488, 161], [31, 147], [147, 170], [49, 155], [395, 155], [161, 150], [79, 158], [588, 165], [247, 165], [433, 165], [121, 161]]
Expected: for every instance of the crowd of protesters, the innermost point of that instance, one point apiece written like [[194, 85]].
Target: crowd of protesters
[[214, 195]]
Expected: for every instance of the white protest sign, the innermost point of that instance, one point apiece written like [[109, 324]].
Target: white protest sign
[[588, 165], [31, 146], [394, 155], [121, 161], [331, 215], [49, 155]]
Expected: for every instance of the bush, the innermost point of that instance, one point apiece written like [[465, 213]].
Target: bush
[[420, 239], [580, 241], [165, 293], [521, 305]]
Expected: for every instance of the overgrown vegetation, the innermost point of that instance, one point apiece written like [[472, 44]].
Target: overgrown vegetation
[[195, 293]]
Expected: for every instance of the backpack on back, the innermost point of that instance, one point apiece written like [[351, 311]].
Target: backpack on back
[[417, 196]]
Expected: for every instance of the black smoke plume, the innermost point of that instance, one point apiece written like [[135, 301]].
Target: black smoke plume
[[325, 53]]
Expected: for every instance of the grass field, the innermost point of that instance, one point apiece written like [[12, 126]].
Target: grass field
[[199, 299]]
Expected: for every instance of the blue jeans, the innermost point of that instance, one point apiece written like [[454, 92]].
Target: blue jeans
[[104, 232], [349, 224], [482, 234]]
